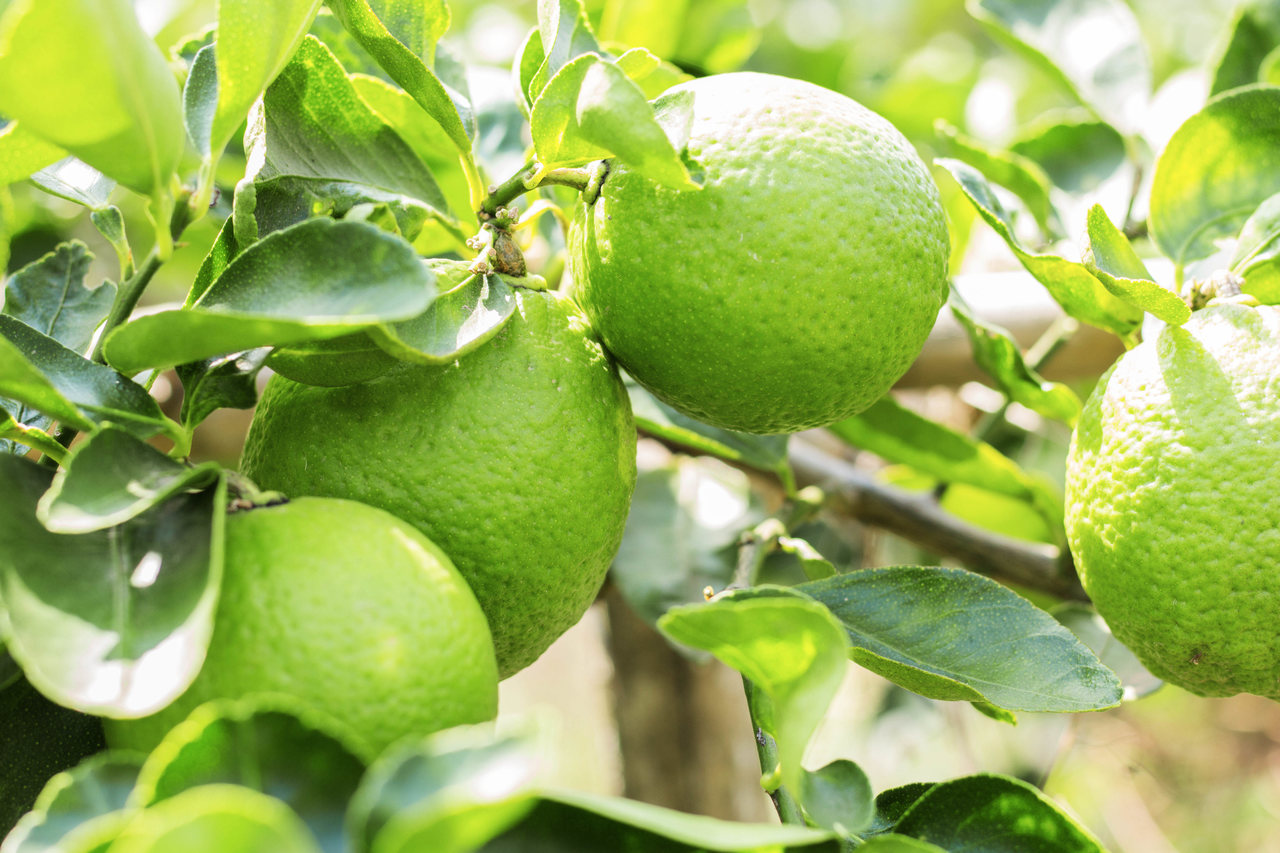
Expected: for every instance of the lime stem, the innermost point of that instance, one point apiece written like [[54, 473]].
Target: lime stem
[[529, 178]]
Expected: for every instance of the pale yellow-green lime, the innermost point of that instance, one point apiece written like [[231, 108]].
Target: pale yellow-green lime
[[518, 460], [796, 286], [352, 612], [1173, 513]]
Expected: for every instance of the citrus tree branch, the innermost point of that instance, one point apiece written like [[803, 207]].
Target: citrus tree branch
[[527, 180]]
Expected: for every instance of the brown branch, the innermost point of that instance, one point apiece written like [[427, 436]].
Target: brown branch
[[918, 518]]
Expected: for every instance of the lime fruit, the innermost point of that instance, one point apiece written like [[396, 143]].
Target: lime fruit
[[795, 287], [518, 460], [348, 610], [1172, 514]]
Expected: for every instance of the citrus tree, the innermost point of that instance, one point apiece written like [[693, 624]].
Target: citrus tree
[[472, 296]]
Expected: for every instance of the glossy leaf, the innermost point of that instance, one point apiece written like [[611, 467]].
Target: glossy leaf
[[40, 372], [1019, 174], [838, 797], [892, 803], [38, 740], [223, 382], [216, 819], [280, 202], [996, 352], [1242, 55], [131, 607], [1083, 621], [565, 34], [75, 180], [682, 534], [1113, 77], [83, 75], [1070, 283], [220, 255], [572, 822], [1217, 168], [15, 437], [789, 646], [591, 110], [23, 153], [1112, 259], [1256, 257], [952, 634], [448, 793], [319, 279], [50, 296], [995, 814], [73, 801], [268, 744], [112, 478], [894, 843], [766, 452]]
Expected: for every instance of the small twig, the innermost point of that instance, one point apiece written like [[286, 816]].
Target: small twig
[[126, 300], [526, 180], [783, 802]]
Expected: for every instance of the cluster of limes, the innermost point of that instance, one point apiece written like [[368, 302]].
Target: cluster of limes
[[789, 292]]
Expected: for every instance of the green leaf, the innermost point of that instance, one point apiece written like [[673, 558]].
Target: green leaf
[[447, 793], [1083, 621], [270, 744], [1217, 168], [319, 279], [417, 24], [1257, 251], [650, 73], [1077, 152], [255, 41], [220, 255], [74, 803], [1070, 283], [682, 534], [788, 645], [572, 822], [313, 124], [1242, 55], [838, 797], [528, 60], [952, 634], [894, 843], [112, 478], [13, 434], [41, 373], [84, 76], [994, 814], [348, 360], [565, 34], [50, 296], [449, 108], [38, 739], [110, 224], [1112, 259], [995, 351], [216, 819], [75, 180], [591, 110], [23, 153], [131, 607], [223, 382], [1113, 77], [713, 35], [200, 103], [766, 452], [1019, 174], [286, 200], [892, 803]]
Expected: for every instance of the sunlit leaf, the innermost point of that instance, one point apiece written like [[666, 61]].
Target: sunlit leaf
[[216, 819], [1112, 259]]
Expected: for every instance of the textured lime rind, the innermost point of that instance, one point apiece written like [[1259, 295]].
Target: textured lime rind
[[796, 286], [349, 610], [518, 460], [1173, 513]]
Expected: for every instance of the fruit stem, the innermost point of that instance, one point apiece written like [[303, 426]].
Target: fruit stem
[[529, 178]]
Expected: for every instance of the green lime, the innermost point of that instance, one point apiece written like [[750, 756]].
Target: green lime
[[1172, 513], [518, 460], [350, 611], [796, 286]]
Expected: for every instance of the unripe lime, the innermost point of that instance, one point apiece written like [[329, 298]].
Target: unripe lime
[[796, 286]]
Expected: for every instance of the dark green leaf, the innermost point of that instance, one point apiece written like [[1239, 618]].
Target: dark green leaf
[[952, 634], [1085, 623], [132, 607], [838, 797], [112, 478], [1257, 252], [16, 437], [1077, 152], [891, 804], [268, 744], [223, 251], [75, 799], [995, 814], [766, 452], [788, 645], [40, 372], [278, 203], [1070, 283], [314, 125], [1113, 77], [682, 534], [81, 73], [1218, 167], [1242, 55], [319, 279], [227, 381], [1113, 260], [569, 822], [331, 363], [217, 819], [1020, 175], [449, 793], [894, 843], [22, 153], [565, 34], [50, 296], [995, 351], [591, 110], [75, 180], [38, 739]]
